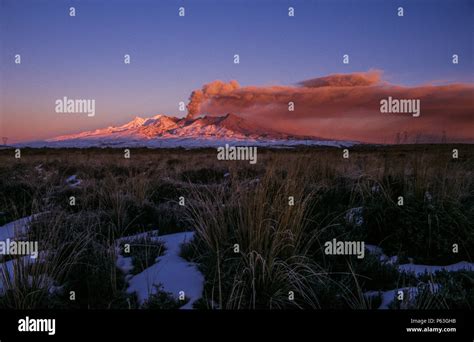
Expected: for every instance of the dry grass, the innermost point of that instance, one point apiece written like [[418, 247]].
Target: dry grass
[[229, 203]]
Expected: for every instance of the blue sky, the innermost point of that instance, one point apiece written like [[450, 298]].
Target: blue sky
[[82, 56]]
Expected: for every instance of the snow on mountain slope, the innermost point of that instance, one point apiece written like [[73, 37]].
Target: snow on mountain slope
[[138, 128], [229, 126], [165, 131]]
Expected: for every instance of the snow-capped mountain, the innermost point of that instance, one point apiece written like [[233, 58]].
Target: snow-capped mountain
[[165, 131], [138, 128]]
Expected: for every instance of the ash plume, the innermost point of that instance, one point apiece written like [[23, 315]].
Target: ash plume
[[208, 91], [343, 106]]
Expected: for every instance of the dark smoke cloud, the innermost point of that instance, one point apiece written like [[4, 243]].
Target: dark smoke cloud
[[207, 92], [344, 106]]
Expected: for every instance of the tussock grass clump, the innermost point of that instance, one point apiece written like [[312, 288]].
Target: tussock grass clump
[[252, 243], [27, 283]]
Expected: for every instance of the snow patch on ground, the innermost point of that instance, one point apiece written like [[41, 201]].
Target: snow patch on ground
[[416, 269], [354, 216], [73, 181], [16, 228], [409, 295], [170, 271], [373, 249], [378, 251], [9, 268], [389, 296], [124, 263], [419, 270]]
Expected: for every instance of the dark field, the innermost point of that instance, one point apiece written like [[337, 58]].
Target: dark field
[[280, 262]]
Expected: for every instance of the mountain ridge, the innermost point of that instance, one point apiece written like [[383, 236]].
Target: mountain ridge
[[166, 131], [228, 126]]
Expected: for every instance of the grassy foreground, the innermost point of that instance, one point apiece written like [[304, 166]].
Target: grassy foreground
[[260, 229]]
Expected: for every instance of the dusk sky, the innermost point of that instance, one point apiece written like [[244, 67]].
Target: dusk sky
[[82, 56]]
